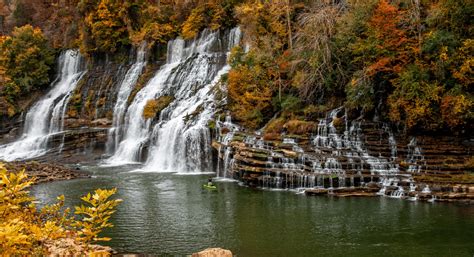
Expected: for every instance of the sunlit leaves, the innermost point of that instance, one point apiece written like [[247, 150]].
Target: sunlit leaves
[[96, 216], [24, 230]]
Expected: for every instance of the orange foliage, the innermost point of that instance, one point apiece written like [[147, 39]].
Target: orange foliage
[[385, 22], [250, 96], [455, 108], [392, 42]]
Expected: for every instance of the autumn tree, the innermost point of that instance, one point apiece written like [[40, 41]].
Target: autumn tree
[[105, 26], [25, 64]]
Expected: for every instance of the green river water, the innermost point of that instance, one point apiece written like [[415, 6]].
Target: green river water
[[170, 214]]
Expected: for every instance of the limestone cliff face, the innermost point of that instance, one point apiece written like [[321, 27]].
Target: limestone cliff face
[[365, 158], [88, 113]]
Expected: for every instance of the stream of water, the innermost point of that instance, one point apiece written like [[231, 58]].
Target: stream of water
[[170, 214]]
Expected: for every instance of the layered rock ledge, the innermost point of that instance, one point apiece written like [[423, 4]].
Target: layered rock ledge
[[364, 159]]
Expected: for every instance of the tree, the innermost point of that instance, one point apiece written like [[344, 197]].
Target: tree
[[105, 26], [25, 65]]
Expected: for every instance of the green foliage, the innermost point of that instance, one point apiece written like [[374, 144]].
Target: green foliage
[[23, 13], [25, 230], [415, 100], [26, 58], [409, 61], [25, 64], [291, 104]]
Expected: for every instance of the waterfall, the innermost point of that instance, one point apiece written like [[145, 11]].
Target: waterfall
[[179, 140], [124, 91], [46, 117], [415, 158]]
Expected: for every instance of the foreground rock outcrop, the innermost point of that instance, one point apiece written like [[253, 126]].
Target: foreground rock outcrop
[[70, 247], [213, 252]]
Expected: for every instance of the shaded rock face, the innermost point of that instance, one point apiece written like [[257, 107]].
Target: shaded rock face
[[93, 99], [365, 157]]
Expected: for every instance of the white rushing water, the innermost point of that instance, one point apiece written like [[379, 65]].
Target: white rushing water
[[46, 117], [124, 91], [340, 158], [178, 140]]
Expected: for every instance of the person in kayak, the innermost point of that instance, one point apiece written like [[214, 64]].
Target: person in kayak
[[209, 182]]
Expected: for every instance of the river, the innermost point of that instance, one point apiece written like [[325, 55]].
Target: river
[[170, 214]]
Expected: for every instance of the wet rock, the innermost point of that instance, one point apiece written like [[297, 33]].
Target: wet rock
[[101, 122], [374, 185], [318, 191], [213, 252], [45, 172], [70, 247]]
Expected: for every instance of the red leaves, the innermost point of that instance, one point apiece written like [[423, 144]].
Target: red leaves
[[384, 23]]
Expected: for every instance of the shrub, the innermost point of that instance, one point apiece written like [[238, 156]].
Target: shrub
[[154, 106], [299, 127], [275, 126], [26, 230]]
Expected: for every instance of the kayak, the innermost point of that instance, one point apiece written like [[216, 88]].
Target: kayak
[[213, 187]]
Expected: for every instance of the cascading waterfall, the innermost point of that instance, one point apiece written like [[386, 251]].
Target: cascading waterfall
[[336, 159], [124, 91], [46, 117], [180, 139], [415, 158]]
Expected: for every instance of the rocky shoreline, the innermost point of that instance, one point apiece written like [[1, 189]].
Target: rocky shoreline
[[45, 172]]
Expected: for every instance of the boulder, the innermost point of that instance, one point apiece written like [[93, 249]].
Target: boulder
[[213, 252]]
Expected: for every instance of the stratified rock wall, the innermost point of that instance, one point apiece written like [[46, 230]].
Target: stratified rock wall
[[364, 158]]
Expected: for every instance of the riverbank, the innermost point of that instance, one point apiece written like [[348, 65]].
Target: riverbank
[[46, 172]]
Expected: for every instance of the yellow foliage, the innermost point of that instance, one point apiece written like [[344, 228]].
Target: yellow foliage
[[250, 95], [300, 127], [194, 23], [96, 216], [24, 230], [454, 108], [464, 56], [154, 106]]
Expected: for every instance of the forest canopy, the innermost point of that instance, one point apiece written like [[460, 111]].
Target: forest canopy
[[408, 62]]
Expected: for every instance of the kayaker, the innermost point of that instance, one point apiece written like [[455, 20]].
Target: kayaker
[[209, 182]]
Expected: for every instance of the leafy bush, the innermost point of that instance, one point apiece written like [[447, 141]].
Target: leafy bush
[[27, 230], [25, 65], [299, 127], [154, 106], [25, 60]]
